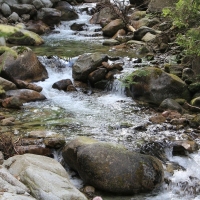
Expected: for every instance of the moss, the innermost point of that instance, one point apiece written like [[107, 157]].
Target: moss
[[2, 91], [3, 49]]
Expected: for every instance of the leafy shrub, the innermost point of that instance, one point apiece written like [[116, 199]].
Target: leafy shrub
[[186, 14]]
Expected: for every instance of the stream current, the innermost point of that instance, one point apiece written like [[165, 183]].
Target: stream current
[[106, 115]]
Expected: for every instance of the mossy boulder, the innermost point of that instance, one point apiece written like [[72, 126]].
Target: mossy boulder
[[22, 65], [19, 36], [153, 85], [112, 168]]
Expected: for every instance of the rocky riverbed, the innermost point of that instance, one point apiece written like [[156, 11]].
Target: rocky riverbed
[[123, 120]]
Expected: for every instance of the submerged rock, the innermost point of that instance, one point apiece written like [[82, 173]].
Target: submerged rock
[[45, 177], [111, 167]]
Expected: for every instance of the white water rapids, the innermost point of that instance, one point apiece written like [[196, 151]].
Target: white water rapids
[[113, 117]]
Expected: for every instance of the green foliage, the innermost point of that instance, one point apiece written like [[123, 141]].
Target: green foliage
[[186, 14]]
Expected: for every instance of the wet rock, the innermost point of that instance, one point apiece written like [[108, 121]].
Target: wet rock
[[25, 67], [101, 84], [71, 88], [37, 27], [49, 139], [62, 84], [7, 85], [97, 75], [12, 102], [26, 95], [40, 183], [110, 75], [153, 85], [13, 18], [171, 114], [89, 191], [180, 147], [142, 31], [86, 64], [118, 66], [172, 166], [33, 149], [67, 11], [157, 119], [77, 27], [111, 29], [49, 16], [156, 149], [171, 104], [25, 85], [111, 167]]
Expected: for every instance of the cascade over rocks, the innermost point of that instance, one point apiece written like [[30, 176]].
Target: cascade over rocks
[[25, 67], [111, 167], [153, 85], [40, 184]]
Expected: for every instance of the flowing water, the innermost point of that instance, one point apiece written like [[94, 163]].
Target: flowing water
[[106, 115]]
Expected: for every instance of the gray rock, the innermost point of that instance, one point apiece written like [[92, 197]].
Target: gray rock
[[50, 16], [21, 9], [5, 8], [45, 177], [14, 17], [171, 104], [47, 3], [38, 4]]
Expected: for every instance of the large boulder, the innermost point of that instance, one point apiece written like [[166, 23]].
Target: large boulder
[[11, 188], [158, 5], [49, 16], [104, 13], [86, 64], [16, 35], [25, 66], [111, 29], [21, 9], [67, 11], [153, 85], [45, 177], [111, 167]]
